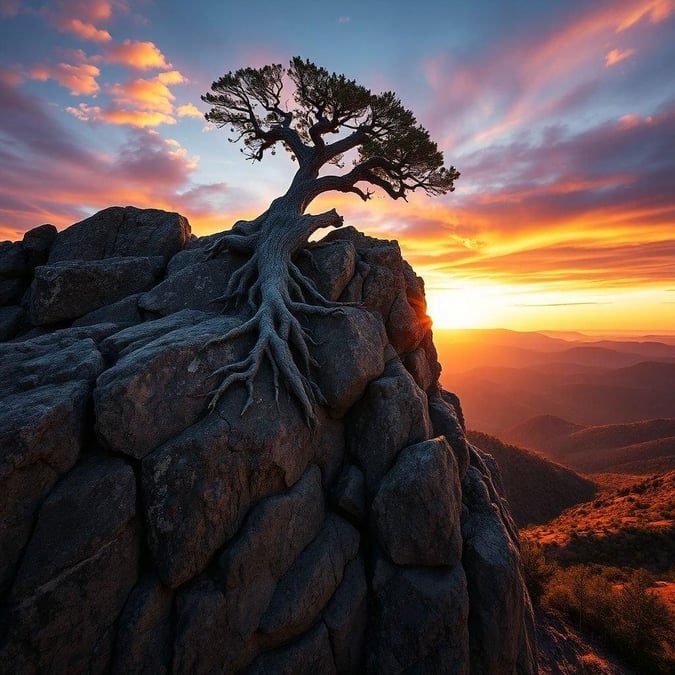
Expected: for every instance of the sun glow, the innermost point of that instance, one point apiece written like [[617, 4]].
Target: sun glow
[[466, 305]]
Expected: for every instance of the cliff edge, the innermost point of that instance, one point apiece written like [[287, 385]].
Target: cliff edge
[[143, 534]]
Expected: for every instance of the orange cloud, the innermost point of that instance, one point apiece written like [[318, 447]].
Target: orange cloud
[[188, 110], [79, 79], [85, 31], [138, 55], [617, 55], [653, 10]]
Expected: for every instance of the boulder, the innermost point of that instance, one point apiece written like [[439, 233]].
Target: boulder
[[40, 440], [391, 415], [144, 638], [346, 618], [67, 290], [122, 231], [124, 312], [52, 359], [349, 492], [419, 624], [158, 390], [197, 286], [11, 320], [353, 339], [330, 265], [12, 290], [311, 581], [86, 511], [13, 260], [196, 493], [308, 655], [446, 423], [416, 511], [37, 243], [497, 596]]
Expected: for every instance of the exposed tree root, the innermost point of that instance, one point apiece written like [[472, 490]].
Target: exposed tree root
[[276, 291]]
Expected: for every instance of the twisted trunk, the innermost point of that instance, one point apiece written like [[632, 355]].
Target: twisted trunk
[[277, 292]]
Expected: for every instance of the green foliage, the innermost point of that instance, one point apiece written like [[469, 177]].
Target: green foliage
[[626, 612], [395, 153], [537, 570]]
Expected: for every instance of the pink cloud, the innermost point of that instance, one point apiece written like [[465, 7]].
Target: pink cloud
[[85, 31], [617, 55]]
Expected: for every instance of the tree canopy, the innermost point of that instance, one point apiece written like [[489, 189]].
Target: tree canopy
[[395, 153]]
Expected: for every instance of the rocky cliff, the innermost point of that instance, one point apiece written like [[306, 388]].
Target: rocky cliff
[[141, 534]]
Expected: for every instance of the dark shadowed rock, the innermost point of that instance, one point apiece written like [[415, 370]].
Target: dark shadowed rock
[[196, 286], [122, 231], [416, 512], [37, 243], [350, 492], [12, 260], [349, 348], [124, 312], [11, 320], [418, 366], [420, 624], [67, 290], [40, 437], [308, 655], [346, 617], [144, 639], [446, 423], [66, 625], [497, 596], [306, 588], [83, 514], [391, 415], [200, 623]]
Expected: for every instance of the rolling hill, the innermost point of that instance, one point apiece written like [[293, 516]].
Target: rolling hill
[[536, 488]]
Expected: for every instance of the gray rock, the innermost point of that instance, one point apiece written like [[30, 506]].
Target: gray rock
[[196, 493], [309, 655], [355, 340], [122, 231], [446, 423], [346, 617], [68, 290], [67, 625], [130, 339], [144, 637], [12, 290], [124, 312], [353, 292], [330, 265], [391, 415], [420, 624], [350, 492], [196, 286], [82, 515], [416, 512], [417, 365], [307, 587], [51, 359], [497, 594], [36, 243], [40, 436], [156, 391], [273, 536]]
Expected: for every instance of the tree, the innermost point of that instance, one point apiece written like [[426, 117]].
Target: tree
[[393, 152]]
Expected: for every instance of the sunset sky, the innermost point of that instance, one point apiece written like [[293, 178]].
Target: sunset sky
[[560, 116]]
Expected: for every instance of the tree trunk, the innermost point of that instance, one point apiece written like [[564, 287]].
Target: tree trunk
[[276, 291]]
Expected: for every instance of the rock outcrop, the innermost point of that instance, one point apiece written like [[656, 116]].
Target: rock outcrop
[[142, 534]]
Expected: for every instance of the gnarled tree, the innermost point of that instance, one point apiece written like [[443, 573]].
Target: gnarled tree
[[392, 152]]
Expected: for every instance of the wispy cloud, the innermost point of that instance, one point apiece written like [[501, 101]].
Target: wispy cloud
[[617, 55], [138, 55]]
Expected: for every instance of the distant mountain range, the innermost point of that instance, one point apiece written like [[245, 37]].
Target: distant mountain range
[[548, 392]]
